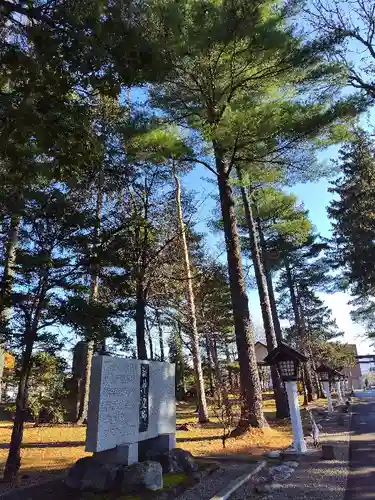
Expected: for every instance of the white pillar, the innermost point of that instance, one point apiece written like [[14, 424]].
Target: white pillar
[[295, 416], [327, 390], [339, 393]]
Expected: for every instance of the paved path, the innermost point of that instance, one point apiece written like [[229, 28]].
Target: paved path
[[361, 479], [314, 479]]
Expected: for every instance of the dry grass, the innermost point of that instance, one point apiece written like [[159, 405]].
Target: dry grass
[[205, 439], [46, 448], [50, 449]]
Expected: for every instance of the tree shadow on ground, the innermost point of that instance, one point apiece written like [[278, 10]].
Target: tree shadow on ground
[[62, 444]]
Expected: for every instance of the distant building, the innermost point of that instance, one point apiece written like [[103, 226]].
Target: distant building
[[354, 374]]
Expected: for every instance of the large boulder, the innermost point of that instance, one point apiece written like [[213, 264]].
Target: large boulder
[[139, 476], [89, 474], [176, 460]]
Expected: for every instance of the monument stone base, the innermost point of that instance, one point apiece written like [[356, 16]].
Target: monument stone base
[[156, 446], [125, 454], [128, 454]]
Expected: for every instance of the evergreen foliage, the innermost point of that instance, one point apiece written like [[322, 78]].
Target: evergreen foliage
[[352, 215]]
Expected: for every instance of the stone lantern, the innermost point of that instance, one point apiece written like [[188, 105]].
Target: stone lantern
[[338, 378], [326, 376], [289, 365]]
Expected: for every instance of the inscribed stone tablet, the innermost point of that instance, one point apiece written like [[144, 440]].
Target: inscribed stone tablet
[[130, 400]]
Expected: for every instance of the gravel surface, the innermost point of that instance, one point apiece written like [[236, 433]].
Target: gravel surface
[[314, 479], [216, 481]]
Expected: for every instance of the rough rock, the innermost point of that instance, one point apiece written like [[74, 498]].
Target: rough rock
[[273, 454], [88, 474], [139, 476], [176, 460]]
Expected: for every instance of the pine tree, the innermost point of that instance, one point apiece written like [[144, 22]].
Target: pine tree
[[232, 55], [279, 221], [45, 267], [282, 410], [303, 270], [352, 215], [363, 312]]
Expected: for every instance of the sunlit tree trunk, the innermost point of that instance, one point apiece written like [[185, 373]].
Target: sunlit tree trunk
[[161, 338], [298, 323], [282, 409], [194, 335], [209, 363], [311, 393], [251, 392], [180, 365], [94, 296], [271, 291]]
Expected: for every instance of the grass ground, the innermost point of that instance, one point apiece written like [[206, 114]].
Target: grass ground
[[49, 449]]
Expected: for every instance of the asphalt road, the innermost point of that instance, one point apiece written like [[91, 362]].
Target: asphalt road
[[361, 478]]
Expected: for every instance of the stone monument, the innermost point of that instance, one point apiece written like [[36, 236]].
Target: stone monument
[[131, 408]]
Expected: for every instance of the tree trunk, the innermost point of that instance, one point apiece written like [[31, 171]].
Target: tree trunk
[[213, 350], [85, 386], [298, 323], [275, 314], [180, 365], [8, 272], [318, 384], [306, 350], [209, 365], [309, 382], [293, 296], [282, 409], [150, 346], [13, 462], [140, 317], [94, 295], [7, 282], [305, 396], [161, 339], [251, 393], [201, 395], [271, 292], [230, 370]]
